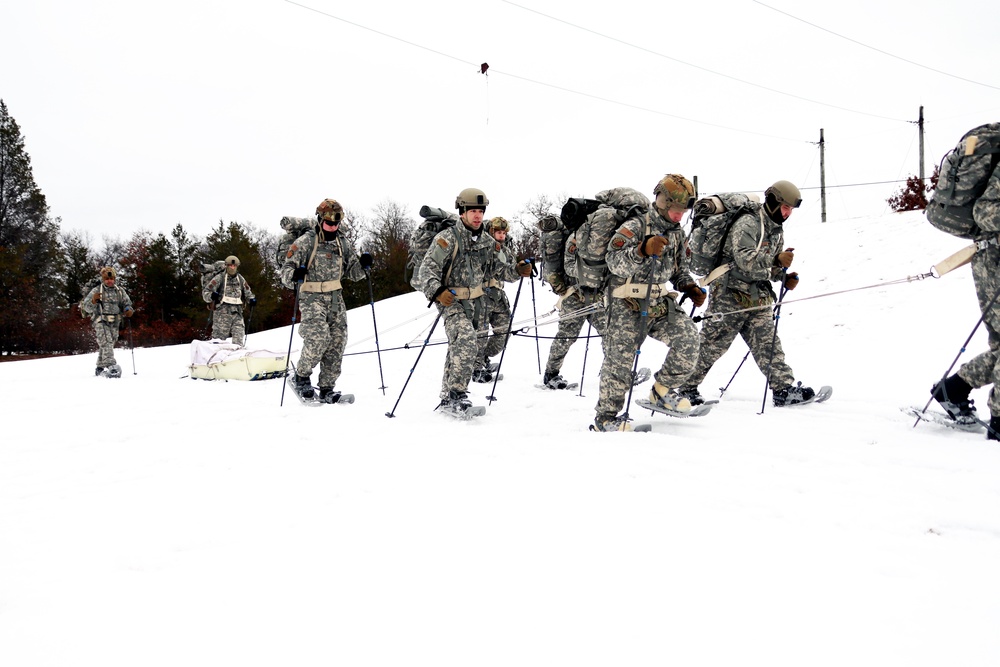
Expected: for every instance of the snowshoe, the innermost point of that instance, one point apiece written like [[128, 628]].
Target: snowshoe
[[99, 371], [113, 371], [483, 375], [458, 405], [329, 395]]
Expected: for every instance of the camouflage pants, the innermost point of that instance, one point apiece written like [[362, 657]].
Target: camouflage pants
[[569, 328], [498, 318], [107, 338], [757, 329], [324, 336], [984, 368], [227, 321], [462, 347], [673, 328]]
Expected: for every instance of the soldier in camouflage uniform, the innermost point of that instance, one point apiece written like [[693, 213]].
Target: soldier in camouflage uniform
[[500, 270], [107, 304], [316, 263], [226, 293], [645, 253], [953, 392], [754, 248], [452, 274], [572, 299]]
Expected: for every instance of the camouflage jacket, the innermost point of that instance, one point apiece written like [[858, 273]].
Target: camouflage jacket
[[234, 289], [752, 265], [455, 250], [113, 303], [334, 260], [626, 265]]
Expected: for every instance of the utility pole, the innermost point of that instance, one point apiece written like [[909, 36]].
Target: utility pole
[[822, 176], [920, 125]]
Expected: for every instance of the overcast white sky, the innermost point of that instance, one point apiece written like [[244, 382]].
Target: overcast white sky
[[152, 114]]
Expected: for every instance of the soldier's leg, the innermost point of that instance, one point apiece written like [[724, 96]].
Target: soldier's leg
[[499, 322], [107, 336], [681, 335], [332, 361], [220, 325], [760, 334], [715, 339], [315, 332], [461, 357], [619, 357], [566, 334], [237, 328]]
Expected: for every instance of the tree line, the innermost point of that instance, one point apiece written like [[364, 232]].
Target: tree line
[[45, 272]]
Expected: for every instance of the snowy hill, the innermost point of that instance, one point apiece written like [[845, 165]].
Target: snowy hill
[[159, 520]]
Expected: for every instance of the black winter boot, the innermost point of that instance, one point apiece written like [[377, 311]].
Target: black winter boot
[[303, 386], [792, 395], [953, 395], [554, 380], [98, 370], [993, 432], [328, 395]]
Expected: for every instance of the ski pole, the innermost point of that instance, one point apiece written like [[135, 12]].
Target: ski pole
[[423, 347], [774, 336], [249, 320], [378, 350], [722, 390], [288, 355], [131, 344], [534, 309], [640, 337], [962, 350], [586, 351], [496, 373]]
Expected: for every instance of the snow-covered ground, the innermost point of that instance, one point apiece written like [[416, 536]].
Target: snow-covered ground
[[159, 520]]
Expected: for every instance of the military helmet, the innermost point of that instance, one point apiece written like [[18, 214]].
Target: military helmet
[[108, 272], [785, 192], [498, 224], [471, 198], [232, 260], [678, 191], [330, 210]]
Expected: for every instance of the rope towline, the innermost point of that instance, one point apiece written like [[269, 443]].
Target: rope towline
[[898, 281]]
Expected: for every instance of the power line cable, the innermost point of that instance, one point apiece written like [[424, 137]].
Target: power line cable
[[699, 67], [493, 70], [877, 50]]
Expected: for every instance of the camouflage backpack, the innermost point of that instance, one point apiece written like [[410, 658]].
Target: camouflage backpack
[[552, 245], [294, 228], [435, 220], [211, 269], [711, 221], [962, 178], [587, 246]]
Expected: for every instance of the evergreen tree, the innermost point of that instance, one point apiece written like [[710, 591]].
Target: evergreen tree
[[29, 248]]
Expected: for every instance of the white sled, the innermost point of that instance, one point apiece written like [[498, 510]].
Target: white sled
[[219, 360]]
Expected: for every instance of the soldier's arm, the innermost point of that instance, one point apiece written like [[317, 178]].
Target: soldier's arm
[[986, 210], [623, 256], [743, 240], [432, 267]]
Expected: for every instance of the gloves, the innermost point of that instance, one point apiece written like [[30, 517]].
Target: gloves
[[523, 268], [299, 274], [253, 302], [366, 260], [652, 246], [216, 297], [696, 294], [785, 257], [128, 312], [791, 280], [97, 298], [445, 297]]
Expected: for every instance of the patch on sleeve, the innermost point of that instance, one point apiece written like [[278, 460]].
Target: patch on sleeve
[[617, 241], [291, 250], [497, 247], [441, 242], [626, 232]]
